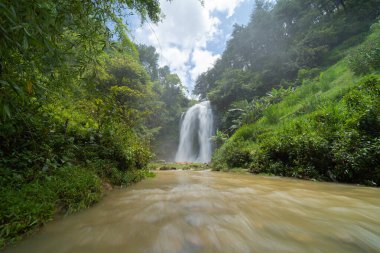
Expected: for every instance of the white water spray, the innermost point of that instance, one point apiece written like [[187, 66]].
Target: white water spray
[[196, 131]]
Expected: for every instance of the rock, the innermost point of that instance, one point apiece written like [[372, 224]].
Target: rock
[[107, 186], [167, 168]]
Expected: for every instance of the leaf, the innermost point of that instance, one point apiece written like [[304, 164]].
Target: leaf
[[29, 87], [25, 44], [16, 27], [13, 12], [6, 110], [4, 83], [26, 31]]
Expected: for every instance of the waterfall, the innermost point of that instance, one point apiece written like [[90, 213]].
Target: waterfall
[[195, 134]]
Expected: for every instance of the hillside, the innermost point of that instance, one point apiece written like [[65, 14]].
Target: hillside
[[327, 128]]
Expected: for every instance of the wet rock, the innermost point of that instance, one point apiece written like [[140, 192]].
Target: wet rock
[[167, 168], [107, 186]]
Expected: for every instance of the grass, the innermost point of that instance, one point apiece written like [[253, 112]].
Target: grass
[[331, 85], [334, 140], [27, 206], [327, 129]]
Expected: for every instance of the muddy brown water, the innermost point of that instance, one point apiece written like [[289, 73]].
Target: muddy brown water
[[188, 211]]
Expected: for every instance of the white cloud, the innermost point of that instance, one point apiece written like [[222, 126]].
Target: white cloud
[[181, 38], [175, 57], [223, 6], [202, 60]]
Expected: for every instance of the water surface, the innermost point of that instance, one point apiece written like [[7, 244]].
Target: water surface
[[187, 211]]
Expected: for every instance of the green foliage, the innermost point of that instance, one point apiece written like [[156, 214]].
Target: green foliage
[[171, 103], [286, 43], [326, 129], [232, 154], [219, 138], [233, 86], [308, 73], [76, 106], [149, 59], [27, 206], [117, 177], [24, 209], [299, 155], [337, 141], [46, 44], [243, 112], [366, 58], [76, 188]]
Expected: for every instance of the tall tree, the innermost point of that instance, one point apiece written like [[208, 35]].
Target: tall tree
[[45, 41], [280, 40]]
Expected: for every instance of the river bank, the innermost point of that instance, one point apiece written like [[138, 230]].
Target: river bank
[[163, 166], [26, 207], [203, 211]]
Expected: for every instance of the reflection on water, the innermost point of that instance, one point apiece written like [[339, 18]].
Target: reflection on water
[[184, 211]]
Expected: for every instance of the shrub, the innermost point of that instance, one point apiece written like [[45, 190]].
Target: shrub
[[339, 141], [366, 57], [234, 154], [308, 74], [76, 188], [24, 209], [27, 206]]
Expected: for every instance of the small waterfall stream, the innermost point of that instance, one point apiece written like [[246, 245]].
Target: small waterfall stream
[[195, 134]]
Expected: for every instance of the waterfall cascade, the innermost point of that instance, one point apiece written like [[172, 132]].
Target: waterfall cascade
[[195, 134]]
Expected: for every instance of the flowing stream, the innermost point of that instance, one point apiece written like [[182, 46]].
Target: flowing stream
[[195, 134], [188, 211]]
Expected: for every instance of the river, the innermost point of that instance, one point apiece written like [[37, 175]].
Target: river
[[188, 211]]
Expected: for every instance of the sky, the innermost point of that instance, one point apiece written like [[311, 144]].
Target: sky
[[191, 37]]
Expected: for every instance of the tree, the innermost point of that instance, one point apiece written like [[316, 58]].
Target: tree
[[45, 42], [149, 59], [279, 41]]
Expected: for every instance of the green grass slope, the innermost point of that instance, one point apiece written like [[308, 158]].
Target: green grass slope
[[328, 128]]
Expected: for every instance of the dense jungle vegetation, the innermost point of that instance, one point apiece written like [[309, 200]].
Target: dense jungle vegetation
[[79, 106], [297, 92]]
